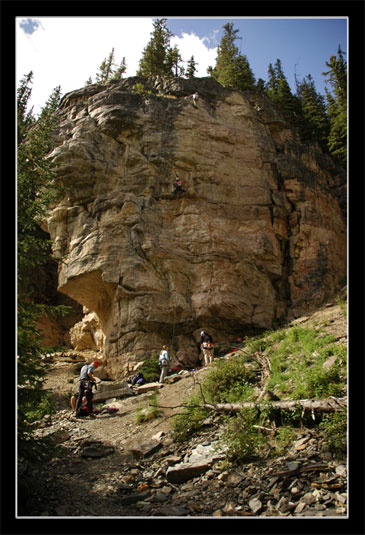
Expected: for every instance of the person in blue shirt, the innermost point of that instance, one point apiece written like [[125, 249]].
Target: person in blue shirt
[[138, 379], [86, 382], [163, 361]]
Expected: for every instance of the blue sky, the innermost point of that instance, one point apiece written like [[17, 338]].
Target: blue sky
[[66, 51], [302, 45]]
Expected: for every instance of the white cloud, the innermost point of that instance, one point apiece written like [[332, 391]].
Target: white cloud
[[66, 51], [191, 45], [212, 39]]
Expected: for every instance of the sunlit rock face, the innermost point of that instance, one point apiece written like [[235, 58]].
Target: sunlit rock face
[[259, 237]]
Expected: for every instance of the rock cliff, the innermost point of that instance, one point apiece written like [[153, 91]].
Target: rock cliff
[[259, 237]]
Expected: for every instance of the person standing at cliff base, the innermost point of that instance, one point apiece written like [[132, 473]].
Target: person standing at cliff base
[[206, 345], [163, 361], [87, 380]]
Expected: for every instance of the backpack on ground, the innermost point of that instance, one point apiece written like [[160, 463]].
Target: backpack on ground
[[83, 411]]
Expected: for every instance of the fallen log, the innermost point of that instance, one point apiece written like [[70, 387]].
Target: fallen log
[[330, 404]]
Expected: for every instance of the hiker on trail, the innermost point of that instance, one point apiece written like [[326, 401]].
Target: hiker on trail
[[87, 381], [206, 345], [178, 185], [195, 99], [163, 361]]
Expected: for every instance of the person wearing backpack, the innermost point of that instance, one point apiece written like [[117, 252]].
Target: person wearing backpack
[[86, 383], [163, 361], [206, 345]]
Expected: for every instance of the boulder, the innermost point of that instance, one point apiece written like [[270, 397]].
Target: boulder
[[87, 333], [125, 391], [145, 449], [184, 471]]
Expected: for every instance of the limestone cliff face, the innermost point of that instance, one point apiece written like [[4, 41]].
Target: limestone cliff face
[[260, 236]]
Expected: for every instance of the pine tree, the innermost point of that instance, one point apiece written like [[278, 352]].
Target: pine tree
[[278, 69], [191, 68], [272, 83], [232, 68], [337, 106], [105, 69], [118, 74], [278, 89], [315, 122], [173, 60], [36, 192], [260, 85], [157, 59], [288, 102], [25, 119], [108, 70]]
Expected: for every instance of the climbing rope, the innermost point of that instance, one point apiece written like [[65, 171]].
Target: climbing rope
[[174, 322], [174, 294]]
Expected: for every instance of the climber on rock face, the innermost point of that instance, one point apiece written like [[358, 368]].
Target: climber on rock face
[[178, 186], [195, 99]]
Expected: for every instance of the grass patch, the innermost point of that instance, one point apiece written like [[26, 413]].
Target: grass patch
[[149, 412], [297, 364], [305, 363]]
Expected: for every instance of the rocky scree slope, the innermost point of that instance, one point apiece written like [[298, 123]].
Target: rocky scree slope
[[138, 470], [259, 237]]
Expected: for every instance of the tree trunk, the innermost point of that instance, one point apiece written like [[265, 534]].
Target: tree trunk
[[330, 404]]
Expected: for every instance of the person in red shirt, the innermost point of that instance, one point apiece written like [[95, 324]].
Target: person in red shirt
[[178, 185]]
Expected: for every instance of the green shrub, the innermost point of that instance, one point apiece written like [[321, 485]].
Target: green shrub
[[242, 440], [139, 88], [284, 438], [230, 380], [44, 406], [190, 420], [151, 370], [335, 428]]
